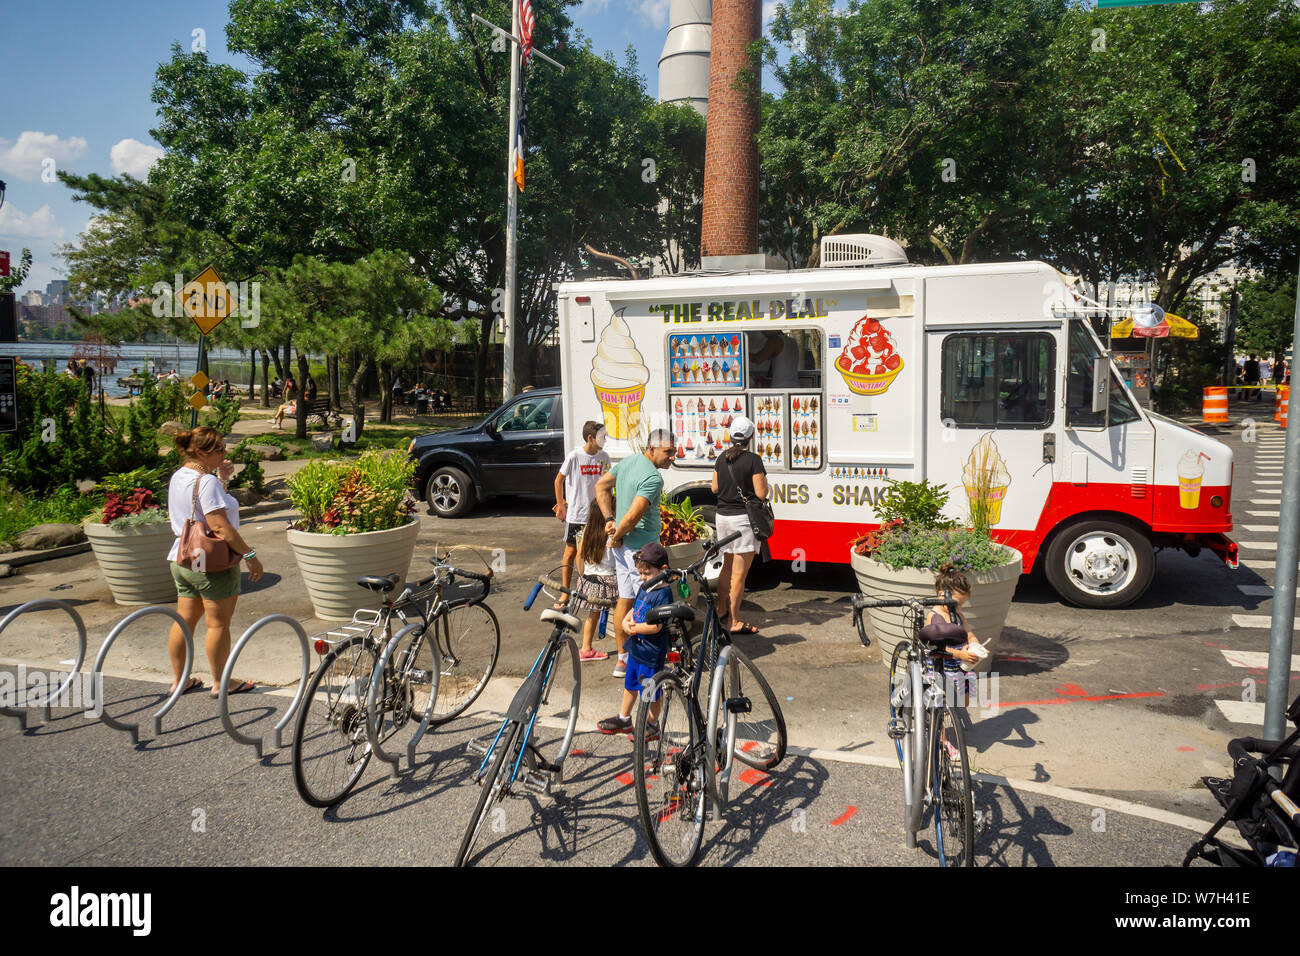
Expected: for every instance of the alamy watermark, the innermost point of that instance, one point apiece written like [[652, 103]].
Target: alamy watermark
[[34, 689], [244, 299]]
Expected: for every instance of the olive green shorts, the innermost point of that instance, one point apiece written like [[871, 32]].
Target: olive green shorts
[[214, 586]]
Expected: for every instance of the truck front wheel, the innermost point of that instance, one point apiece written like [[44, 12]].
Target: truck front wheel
[[1100, 564]]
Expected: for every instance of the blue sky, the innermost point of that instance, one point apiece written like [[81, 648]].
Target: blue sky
[[75, 81]]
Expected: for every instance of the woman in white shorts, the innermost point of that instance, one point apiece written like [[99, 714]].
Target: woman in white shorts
[[738, 470]]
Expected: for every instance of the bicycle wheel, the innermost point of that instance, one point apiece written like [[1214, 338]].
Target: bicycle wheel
[[557, 712], [493, 789], [760, 739], [330, 749], [470, 638], [669, 777], [954, 818], [920, 740]]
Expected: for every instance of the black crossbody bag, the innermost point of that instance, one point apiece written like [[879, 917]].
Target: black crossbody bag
[[759, 510]]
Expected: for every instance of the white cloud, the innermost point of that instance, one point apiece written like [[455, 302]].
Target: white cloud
[[25, 157], [656, 11], [134, 158], [594, 6], [15, 224], [769, 10]]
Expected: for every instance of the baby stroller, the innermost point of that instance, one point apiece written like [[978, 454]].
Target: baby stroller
[[1263, 809]]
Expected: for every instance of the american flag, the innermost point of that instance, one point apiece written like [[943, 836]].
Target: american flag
[[527, 23]]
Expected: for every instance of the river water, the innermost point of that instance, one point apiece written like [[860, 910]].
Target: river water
[[222, 363]]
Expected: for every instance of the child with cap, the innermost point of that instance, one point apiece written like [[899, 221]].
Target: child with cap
[[647, 644]]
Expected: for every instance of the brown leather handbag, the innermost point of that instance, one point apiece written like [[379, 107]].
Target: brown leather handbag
[[200, 549]]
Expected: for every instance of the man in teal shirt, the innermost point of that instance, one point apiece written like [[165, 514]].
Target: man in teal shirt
[[630, 492]]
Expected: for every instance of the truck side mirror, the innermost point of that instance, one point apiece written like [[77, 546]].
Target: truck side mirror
[[1100, 384], [491, 429]]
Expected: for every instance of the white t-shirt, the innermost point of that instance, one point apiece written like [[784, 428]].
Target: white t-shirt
[[605, 568], [180, 495], [581, 472]]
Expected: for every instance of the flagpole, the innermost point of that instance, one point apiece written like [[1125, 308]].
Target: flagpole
[[512, 210]]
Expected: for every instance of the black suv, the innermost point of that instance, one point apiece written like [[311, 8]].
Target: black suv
[[516, 450]]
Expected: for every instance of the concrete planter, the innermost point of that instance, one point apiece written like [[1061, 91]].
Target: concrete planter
[[986, 612], [134, 561], [331, 563]]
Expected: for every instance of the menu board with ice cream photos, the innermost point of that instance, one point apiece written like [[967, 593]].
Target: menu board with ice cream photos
[[771, 428], [806, 433], [702, 426], [709, 361]]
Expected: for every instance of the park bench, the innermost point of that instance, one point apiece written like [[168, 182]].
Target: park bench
[[320, 408]]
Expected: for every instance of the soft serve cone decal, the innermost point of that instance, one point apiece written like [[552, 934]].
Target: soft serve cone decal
[[618, 371], [986, 479]]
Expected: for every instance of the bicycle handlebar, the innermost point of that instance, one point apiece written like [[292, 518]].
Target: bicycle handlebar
[[861, 602], [594, 602], [711, 549]]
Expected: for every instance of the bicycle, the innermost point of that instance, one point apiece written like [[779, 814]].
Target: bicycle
[[354, 703], [920, 707], [551, 693], [687, 761]]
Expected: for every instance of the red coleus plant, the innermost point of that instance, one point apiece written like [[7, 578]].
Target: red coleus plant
[[866, 543], [116, 506]]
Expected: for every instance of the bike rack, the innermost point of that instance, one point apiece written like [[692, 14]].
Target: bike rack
[[257, 743], [40, 605], [372, 725], [134, 729]]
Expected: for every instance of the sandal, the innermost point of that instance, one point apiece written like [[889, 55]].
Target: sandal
[[743, 629], [243, 687], [592, 655], [194, 684]]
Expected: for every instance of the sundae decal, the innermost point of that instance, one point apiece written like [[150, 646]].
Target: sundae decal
[[619, 373], [986, 478], [1190, 473], [869, 361]]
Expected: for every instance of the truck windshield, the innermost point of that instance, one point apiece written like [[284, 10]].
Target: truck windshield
[[1078, 385]]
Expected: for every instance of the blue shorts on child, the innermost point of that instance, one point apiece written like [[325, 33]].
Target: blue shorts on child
[[637, 673]]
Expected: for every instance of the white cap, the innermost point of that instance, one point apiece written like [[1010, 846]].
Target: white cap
[[741, 428]]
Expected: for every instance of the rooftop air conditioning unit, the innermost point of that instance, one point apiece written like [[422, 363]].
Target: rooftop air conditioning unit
[[862, 249]]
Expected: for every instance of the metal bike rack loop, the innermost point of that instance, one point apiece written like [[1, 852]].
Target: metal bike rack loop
[[257, 743], [372, 725], [41, 605], [122, 625]]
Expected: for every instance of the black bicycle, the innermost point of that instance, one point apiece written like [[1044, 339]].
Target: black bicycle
[[685, 754]]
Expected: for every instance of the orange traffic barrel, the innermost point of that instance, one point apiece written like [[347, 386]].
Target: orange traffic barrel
[[1280, 394], [1214, 404], [1286, 400]]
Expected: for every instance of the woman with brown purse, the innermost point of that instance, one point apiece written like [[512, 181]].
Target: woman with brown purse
[[206, 555]]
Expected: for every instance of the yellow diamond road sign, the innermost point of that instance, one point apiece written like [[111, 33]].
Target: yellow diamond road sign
[[199, 380], [198, 401], [206, 300]]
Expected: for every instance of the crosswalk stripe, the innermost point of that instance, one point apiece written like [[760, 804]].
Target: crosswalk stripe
[[1260, 527], [1255, 590], [1254, 565], [1256, 659], [1258, 545], [1243, 712], [1265, 501], [1269, 481], [1265, 514]]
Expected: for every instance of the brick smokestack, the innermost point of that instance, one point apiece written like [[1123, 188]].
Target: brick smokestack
[[730, 217]]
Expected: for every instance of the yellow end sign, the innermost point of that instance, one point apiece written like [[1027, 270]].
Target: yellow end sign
[[206, 300]]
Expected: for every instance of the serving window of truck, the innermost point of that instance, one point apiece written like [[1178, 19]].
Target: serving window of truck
[[774, 377]]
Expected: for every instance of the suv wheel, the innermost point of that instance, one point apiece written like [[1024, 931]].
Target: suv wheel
[[449, 492]]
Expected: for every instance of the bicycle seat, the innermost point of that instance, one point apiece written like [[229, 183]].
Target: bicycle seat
[[682, 611], [559, 617], [379, 584]]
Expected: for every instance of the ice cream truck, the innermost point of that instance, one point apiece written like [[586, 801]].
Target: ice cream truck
[[989, 379]]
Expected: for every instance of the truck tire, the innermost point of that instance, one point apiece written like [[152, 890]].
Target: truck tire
[[449, 492], [1100, 564]]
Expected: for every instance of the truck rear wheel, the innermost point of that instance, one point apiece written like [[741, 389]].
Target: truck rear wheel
[[449, 492], [1100, 564]]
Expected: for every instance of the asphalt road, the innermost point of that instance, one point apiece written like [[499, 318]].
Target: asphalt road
[[1135, 704]]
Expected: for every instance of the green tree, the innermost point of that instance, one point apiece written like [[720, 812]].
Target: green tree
[[1266, 315]]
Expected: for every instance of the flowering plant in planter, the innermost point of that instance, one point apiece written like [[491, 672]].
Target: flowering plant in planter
[[915, 533], [682, 523], [342, 497], [128, 511]]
